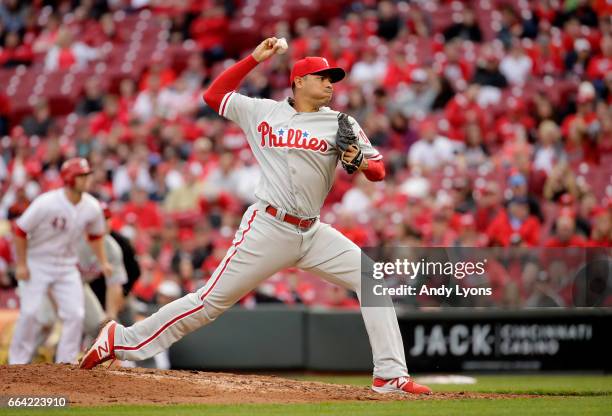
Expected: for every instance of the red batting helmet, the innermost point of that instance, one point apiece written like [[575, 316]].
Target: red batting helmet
[[72, 168]]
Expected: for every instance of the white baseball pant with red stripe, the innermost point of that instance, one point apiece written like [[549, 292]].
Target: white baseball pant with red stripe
[[263, 245]]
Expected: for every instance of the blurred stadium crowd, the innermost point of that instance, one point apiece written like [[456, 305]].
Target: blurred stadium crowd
[[494, 118]]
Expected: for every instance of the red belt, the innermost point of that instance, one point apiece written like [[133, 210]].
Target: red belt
[[303, 223]]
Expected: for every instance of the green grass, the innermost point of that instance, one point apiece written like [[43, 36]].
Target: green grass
[[573, 406], [562, 395], [561, 385]]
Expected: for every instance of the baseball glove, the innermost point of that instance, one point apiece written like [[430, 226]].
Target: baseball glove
[[344, 139]]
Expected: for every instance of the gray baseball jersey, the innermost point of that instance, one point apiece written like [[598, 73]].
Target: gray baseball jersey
[[297, 152], [89, 266]]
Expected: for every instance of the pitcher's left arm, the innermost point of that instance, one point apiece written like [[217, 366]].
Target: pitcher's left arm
[[356, 151]]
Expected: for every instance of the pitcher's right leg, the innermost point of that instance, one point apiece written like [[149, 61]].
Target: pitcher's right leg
[[335, 258], [260, 249]]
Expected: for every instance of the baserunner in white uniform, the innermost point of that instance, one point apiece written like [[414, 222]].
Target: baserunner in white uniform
[[297, 144], [46, 239], [90, 269]]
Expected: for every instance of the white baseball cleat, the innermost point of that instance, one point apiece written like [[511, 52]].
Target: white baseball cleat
[[399, 385], [103, 348]]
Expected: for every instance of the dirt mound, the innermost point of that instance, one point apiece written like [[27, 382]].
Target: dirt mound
[[144, 386]]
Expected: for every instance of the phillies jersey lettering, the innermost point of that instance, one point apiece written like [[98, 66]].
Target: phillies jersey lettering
[[294, 139], [296, 151]]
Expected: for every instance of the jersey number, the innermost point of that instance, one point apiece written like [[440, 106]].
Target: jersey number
[[59, 223]]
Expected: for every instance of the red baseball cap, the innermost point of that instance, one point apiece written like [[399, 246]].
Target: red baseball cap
[[314, 65]]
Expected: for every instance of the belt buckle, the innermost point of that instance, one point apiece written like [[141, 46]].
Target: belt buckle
[[280, 214]]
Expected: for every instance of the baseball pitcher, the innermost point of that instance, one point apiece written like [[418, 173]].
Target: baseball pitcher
[[298, 143]]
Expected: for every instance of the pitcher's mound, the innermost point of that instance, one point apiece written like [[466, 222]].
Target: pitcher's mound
[[144, 386]]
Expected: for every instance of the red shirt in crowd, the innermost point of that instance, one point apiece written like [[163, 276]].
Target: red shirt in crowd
[[398, 72], [604, 242], [598, 67], [586, 150], [574, 241], [459, 111], [22, 53], [166, 77], [5, 105], [484, 216], [461, 69], [345, 59], [146, 289], [356, 234], [103, 122], [566, 127], [546, 60], [145, 216], [506, 127], [209, 31], [602, 7], [65, 59], [500, 231]]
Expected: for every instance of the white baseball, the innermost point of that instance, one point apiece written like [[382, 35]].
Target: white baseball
[[282, 42]]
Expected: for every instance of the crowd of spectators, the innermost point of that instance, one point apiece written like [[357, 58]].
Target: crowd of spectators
[[494, 119]]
